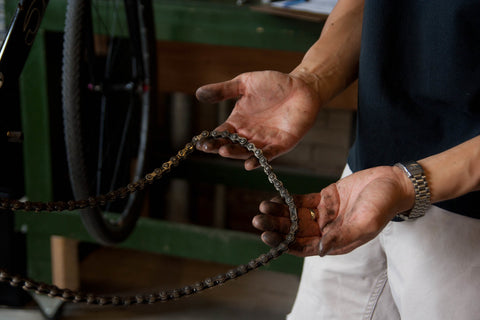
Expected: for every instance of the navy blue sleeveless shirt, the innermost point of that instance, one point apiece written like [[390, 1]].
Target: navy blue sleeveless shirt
[[419, 84]]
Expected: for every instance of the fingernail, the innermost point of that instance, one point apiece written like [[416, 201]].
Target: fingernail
[[205, 146], [320, 249]]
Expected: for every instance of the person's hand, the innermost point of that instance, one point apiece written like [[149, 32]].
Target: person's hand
[[275, 224], [349, 212], [274, 111]]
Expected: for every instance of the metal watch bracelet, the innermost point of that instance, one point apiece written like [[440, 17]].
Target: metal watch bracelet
[[415, 173]]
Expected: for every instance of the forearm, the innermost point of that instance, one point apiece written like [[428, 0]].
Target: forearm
[[455, 172], [331, 64]]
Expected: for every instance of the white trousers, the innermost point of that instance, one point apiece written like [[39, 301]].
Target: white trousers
[[428, 268]]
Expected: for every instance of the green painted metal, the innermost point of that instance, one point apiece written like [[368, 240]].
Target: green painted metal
[[36, 124], [10, 7], [39, 263], [228, 24], [37, 152], [232, 173], [213, 22], [156, 236]]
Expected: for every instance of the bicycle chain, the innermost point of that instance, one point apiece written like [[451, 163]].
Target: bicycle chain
[[166, 295]]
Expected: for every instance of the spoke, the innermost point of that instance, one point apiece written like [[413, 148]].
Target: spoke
[[121, 148], [101, 137], [113, 27]]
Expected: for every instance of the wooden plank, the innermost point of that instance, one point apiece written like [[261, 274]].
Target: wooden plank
[[183, 67], [65, 264]]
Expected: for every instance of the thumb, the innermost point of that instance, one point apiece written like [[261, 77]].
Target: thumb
[[216, 92]]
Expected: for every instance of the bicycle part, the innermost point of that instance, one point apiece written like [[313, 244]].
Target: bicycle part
[[69, 295], [18, 40], [108, 76]]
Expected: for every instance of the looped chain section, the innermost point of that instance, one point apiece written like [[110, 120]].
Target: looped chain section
[[167, 295]]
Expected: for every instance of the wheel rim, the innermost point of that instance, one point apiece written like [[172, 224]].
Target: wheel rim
[[111, 114]]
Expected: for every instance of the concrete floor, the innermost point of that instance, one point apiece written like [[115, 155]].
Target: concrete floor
[[259, 295]]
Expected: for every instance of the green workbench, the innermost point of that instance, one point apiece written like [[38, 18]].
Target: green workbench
[[207, 22]]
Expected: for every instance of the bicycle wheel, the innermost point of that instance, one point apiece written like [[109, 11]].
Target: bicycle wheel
[[108, 77]]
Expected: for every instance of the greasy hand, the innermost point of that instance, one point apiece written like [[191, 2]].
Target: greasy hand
[[274, 111], [351, 212]]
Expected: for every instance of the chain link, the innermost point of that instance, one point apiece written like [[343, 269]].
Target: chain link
[[167, 295]]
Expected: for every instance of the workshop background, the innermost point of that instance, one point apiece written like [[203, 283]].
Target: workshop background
[[123, 270]]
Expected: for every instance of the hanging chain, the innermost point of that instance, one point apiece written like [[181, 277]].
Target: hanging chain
[[167, 295]]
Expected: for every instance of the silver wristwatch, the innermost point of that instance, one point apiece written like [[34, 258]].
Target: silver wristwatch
[[416, 174]]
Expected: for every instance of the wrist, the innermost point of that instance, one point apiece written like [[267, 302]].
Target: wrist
[[414, 172], [454, 172], [313, 81], [407, 190]]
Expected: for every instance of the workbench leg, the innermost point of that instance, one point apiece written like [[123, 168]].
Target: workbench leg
[[65, 264], [65, 274], [40, 268]]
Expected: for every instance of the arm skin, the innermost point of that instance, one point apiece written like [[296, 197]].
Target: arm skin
[[355, 209], [331, 64], [454, 172], [275, 110]]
